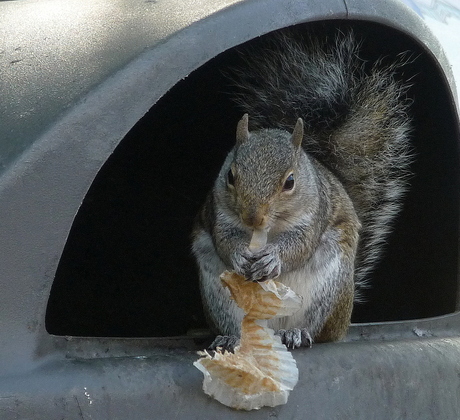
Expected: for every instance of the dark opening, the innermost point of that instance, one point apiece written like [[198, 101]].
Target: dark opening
[[126, 269]]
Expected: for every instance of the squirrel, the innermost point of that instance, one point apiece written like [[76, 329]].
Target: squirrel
[[323, 170]]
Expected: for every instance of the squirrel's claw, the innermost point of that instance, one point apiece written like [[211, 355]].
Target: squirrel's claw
[[259, 266], [295, 337], [242, 262], [225, 343], [292, 339], [270, 276], [266, 264]]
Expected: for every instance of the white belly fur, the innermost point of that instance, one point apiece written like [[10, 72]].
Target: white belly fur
[[313, 283]]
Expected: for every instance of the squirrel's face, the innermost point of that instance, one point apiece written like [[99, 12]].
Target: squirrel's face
[[257, 200], [261, 179]]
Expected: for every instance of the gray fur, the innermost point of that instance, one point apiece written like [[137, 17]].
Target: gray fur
[[311, 242], [356, 124], [350, 172]]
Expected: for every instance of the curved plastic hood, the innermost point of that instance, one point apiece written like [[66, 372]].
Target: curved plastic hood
[[76, 76], [53, 53]]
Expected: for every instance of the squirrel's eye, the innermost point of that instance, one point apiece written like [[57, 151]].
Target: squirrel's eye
[[230, 178], [289, 183]]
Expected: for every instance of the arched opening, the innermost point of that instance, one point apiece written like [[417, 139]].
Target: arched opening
[[127, 270]]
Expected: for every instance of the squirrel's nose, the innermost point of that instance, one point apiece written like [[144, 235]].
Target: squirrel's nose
[[256, 219]]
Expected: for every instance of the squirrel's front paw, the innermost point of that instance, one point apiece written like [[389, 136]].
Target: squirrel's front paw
[[295, 337], [266, 264], [242, 261]]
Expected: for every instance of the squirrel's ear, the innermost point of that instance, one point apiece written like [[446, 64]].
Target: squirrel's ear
[[242, 131], [297, 134]]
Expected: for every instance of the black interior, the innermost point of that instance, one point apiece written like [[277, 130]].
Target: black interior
[[127, 270]]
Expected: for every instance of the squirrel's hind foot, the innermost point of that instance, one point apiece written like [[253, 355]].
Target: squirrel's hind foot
[[225, 343], [295, 337], [292, 339]]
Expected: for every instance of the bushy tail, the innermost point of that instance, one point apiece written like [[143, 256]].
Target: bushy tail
[[356, 122]]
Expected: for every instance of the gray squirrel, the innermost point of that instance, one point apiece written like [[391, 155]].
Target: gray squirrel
[[323, 170]]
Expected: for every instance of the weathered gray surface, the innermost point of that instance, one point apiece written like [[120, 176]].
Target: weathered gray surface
[[69, 92], [417, 379]]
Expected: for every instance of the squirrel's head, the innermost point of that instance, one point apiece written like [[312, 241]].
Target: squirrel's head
[[262, 173]]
